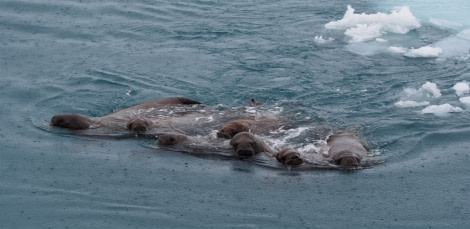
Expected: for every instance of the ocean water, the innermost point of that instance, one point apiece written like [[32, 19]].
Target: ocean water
[[397, 72]]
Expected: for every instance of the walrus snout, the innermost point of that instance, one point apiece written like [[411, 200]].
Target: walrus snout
[[244, 148], [245, 152], [348, 161], [224, 134], [246, 144], [71, 121], [172, 139], [232, 128], [347, 158], [289, 157], [56, 120], [138, 124]]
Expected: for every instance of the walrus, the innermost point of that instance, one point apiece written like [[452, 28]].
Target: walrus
[[253, 124], [172, 139], [289, 156], [139, 124], [131, 116], [346, 149], [246, 144]]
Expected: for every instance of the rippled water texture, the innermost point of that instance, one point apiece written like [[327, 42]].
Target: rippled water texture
[[395, 71]]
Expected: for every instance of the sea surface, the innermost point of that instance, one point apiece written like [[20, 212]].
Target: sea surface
[[396, 72]]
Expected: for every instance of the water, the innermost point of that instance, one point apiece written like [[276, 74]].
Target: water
[[405, 92]]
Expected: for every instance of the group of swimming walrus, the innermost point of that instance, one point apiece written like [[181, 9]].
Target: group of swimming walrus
[[345, 149]]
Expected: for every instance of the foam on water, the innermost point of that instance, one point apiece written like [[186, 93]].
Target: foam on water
[[285, 135]]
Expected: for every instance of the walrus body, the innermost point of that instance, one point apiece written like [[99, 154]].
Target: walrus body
[[346, 149], [138, 118], [246, 144], [253, 124], [173, 139]]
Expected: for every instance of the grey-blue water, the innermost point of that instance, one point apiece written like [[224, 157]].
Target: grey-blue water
[[405, 91]]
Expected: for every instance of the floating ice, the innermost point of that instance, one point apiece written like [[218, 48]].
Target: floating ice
[[419, 97], [465, 101], [456, 46], [364, 32], [446, 13], [321, 40], [426, 51], [427, 90], [380, 39], [461, 88], [366, 27], [431, 88], [395, 49], [411, 103], [441, 110], [445, 23]]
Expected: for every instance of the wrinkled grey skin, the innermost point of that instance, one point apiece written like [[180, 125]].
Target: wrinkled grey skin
[[346, 149], [289, 156], [246, 144]]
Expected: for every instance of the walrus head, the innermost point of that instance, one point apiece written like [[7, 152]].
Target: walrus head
[[139, 124], [71, 121], [172, 139], [347, 158], [230, 129], [245, 144], [289, 156]]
